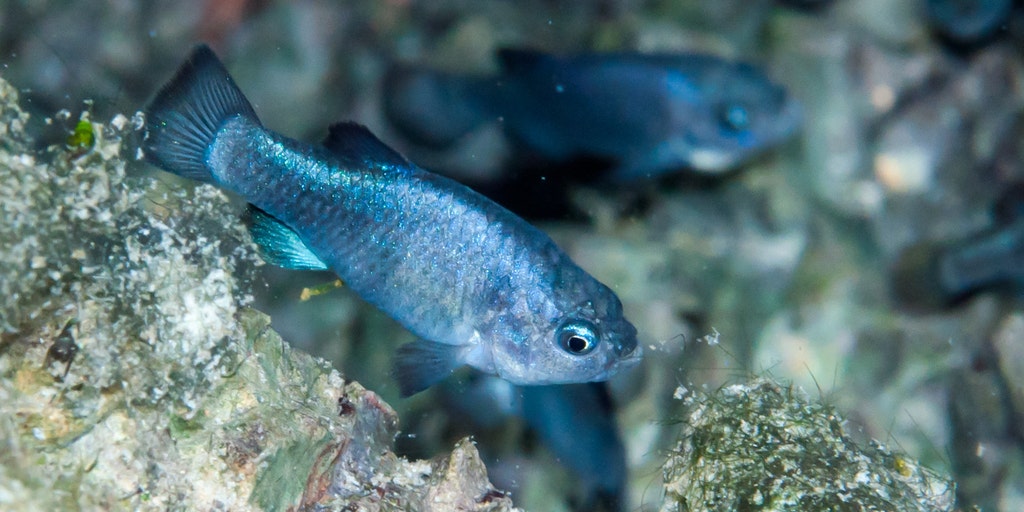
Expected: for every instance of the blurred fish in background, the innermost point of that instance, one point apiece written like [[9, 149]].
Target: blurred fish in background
[[644, 114], [931, 275], [969, 23], [807, 4], [575, 423]]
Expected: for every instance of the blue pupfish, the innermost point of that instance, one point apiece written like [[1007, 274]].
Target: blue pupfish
[[478, 285], [648, 113], [932, 274], [575, 422], [969, 22]]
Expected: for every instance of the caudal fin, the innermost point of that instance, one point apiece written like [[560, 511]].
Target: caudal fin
[[431, 108], [184, 117]]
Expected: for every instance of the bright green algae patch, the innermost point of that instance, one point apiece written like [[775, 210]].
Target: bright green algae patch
[[178, 397], [762, 447]]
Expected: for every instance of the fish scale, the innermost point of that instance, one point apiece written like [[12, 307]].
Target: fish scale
[[478, 285]]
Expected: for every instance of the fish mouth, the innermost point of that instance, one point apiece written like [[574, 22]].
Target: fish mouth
[[712, 161], [631, 359], [618, 366]]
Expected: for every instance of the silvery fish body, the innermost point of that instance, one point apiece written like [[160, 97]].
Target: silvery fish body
[[649, 113], [477, 284]]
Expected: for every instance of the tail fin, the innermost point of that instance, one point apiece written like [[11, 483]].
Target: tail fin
[[432, 108], [184, 117]]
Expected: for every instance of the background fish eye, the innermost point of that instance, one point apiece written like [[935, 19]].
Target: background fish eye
[[578, 337], [734, 116]]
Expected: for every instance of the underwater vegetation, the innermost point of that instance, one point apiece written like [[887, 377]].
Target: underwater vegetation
[[761, 446]]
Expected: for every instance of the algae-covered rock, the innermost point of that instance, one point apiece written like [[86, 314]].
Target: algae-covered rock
[[759, 446], [134, 376]]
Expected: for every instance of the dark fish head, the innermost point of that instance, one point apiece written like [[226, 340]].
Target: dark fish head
[[968, 21], [585, 340], [724, 112]]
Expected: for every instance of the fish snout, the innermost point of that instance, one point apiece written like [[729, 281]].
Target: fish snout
[[628, 357], [626, 344]]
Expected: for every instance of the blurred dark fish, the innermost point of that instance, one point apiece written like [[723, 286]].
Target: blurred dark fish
[[481, 401], [575, 422], [650, 114], [934, 275], [478, 285], [968, 21], [806, 4]]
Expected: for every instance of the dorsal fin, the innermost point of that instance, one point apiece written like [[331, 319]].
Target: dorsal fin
[[519, 60], [354, 142]]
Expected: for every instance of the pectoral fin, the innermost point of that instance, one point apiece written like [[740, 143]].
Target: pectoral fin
[[421, 364], [279, 245]]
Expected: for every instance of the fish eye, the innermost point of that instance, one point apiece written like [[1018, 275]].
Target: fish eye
[[577, 337], [734, 117]]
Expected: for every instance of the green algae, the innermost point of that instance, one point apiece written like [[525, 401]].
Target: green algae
[[761, 446]]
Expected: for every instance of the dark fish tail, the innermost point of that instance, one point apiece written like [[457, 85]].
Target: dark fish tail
[[183, 119], [432, 108]]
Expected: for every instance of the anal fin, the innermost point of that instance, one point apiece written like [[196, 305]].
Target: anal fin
[[279, 244]]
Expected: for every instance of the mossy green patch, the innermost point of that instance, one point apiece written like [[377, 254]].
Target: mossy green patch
[[762, 446]]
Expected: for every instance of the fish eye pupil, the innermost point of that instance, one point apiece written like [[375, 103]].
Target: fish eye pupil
[[577, 344], [735, 117], [578, 337]]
